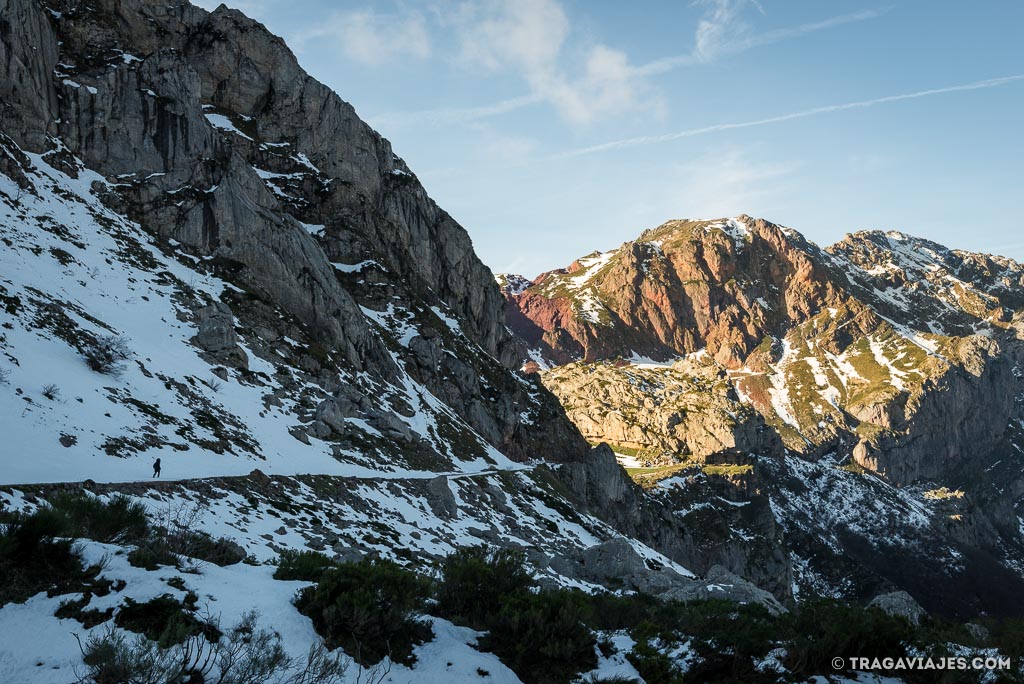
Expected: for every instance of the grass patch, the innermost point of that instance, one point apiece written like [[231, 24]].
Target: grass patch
[[649, 477], [727, 469], [943, 493], [116, 520]]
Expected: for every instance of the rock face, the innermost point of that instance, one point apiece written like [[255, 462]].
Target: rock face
[[347, 305], [899, 603], [706, 348], [686, 410], [217, 335], [221, 144], [720, 584], [679, 288]]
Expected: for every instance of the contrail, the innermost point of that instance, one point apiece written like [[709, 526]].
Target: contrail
[[861, 104]]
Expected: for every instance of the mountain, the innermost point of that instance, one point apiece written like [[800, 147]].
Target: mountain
[[865, 396], [208, 258]]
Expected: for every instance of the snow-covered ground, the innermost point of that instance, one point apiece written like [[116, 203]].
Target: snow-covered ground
[[71, 269], [40, 648]]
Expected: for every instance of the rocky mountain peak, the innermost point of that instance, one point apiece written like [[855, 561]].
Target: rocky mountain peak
[[511, 283], [736, 348], [681, 287]]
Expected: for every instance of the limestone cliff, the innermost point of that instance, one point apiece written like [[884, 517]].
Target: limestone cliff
[[736, 351]]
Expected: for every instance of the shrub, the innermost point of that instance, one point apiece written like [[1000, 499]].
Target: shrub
[[308, 566], [245, 655], [107, 354], [119, 519], [829, 629], [164, 620], [169, 548], [111, 659], [368, 608], [78, 610], [220, 551], [51, 392], [175, 537], [33, 559], [475, 580], [653, 665], [151, 555], [35, 556], [542, 638]]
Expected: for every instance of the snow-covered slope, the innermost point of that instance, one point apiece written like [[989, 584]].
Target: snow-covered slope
[[72, 272]]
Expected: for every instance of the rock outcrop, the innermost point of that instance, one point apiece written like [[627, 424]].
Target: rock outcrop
[[213, 138], [707, 348]]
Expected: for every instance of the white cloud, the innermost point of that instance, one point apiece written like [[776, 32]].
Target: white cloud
[[718, 29], [454, 115], [371, 38], [531, 38]]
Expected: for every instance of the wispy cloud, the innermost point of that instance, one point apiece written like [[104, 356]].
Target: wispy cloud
[[860, 104], [528, 38], [530, 35], [719, 34], [371, 38]]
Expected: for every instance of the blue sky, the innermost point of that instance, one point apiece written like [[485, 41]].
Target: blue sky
[[550, 128]]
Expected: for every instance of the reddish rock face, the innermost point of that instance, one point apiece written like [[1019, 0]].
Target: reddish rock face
[[686, 285]]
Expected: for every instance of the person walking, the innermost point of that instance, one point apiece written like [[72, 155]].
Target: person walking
[[156, 468]]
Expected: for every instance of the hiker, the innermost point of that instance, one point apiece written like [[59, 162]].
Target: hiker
[[156, 468]]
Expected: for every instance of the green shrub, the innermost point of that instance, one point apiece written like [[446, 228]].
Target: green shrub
[[824, 630], [167, 547], [120, 519], [110, 659], [476, 580], [151, 555], [220, 551], [33, 559], [307, 566], [164, 620], [1008, 635], [368, 608], [654, 666], [542, 638], [78, 610]]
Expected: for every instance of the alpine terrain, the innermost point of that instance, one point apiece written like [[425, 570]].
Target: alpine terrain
[[830, 422], [266, 417]]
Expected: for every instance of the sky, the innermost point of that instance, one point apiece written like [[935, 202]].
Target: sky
[[553, 128]]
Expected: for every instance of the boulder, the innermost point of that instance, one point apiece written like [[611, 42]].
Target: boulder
[[900, 604]]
